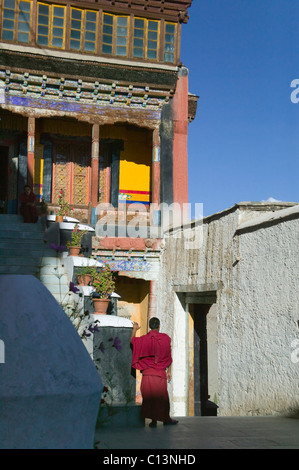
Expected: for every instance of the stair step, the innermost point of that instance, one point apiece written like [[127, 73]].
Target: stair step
[[23, 237], [11, 261], [21, 227], [8, 231], [59, 291], [23, 250], [11, 218], [50, 279], [19, 270], [50, 269], [29, 251], [26, 245]]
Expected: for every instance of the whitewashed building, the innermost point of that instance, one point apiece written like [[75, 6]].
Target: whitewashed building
[[230, 305]]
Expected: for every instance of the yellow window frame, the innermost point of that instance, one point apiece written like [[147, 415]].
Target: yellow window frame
[[83, 30], [51, 25], [16, 20], [106, 34], [174, 43], [146, 38], [143, 29], [114, 34]]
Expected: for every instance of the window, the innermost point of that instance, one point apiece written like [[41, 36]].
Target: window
[[169, 42], [50, 21], [107, 34], [152, 39], [76, 27], [50, 25], [115, 35], [83, 30], [122, 35], [138, 46], [91, 20], [16, 19], [145, 43]]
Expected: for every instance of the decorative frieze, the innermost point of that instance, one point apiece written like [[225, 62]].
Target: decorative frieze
[[102, 94]]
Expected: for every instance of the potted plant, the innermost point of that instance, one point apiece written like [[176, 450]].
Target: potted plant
[[84, 275], [43, 208], [64, 207], [74, 245], [104, 284]]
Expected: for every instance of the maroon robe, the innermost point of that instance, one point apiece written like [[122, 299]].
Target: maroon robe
[[28, 211], [152, 355]]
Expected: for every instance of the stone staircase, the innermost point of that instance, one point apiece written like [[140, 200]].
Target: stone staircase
[[23, 250]]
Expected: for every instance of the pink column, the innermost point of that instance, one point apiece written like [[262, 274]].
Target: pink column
[[95, 165], [152, 310], [30, 151], [180, 154], [156, 168]]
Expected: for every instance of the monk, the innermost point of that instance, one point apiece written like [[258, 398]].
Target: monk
[[28, 208], [152, 355]]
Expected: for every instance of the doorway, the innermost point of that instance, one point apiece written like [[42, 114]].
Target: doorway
[[3, 178], [200, 346], [202, 353], [72, 171]]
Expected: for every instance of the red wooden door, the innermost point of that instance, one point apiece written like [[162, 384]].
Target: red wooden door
[[72, 172]]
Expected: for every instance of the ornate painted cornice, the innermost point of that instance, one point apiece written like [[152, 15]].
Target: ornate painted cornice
[[84, 91]]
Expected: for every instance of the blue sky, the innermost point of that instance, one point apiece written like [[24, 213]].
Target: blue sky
[[243, 145]]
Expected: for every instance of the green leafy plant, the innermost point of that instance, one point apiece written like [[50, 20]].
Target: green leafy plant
[[43, 207], [84, 273], [103, 282], [64, 207], [76, 237], [83, 270]]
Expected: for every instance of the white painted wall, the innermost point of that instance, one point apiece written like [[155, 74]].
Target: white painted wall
[[180, 360], [255, 275]]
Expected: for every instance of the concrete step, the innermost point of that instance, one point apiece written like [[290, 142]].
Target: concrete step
[[10, 248], [21, 227], [19, 270], [21, 234], [22, 261], [11, 218], [60, 292], [15, 219], [51, 279], [50, 268], [23, 250], [28, 251]]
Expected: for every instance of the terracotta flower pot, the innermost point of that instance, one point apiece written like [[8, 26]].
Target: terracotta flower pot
[[74, 250], [59, 218], [100, 306]]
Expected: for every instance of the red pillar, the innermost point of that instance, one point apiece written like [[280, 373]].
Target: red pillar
[[180, 154], [95, 165], [30, 151], [152, 310], [156, 168]]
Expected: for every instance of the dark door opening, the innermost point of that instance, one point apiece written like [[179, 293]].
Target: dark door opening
[[200, 359], [3, 179]]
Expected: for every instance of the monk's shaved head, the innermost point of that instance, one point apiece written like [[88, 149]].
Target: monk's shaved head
[[154, 323]]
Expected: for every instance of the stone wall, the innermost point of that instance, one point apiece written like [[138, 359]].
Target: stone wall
[[246, 264]]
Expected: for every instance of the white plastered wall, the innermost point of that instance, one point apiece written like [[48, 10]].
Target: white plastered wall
[[180, 360]]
